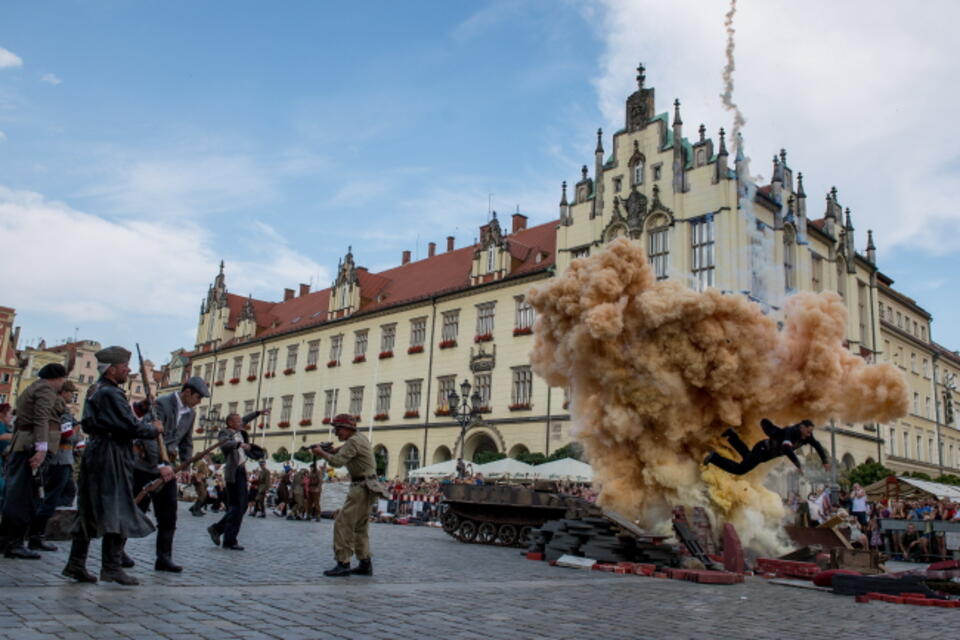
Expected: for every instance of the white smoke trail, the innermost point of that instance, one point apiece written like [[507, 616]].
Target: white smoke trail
[[728, 69]]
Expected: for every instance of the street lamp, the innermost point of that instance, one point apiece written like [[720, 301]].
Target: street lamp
[[463, 412]]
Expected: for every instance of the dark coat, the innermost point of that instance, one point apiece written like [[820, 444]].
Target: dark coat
[[779, 435], [105, 499], [177, 434]]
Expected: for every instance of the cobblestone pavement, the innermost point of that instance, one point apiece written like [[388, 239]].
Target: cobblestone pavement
[[427, 585]]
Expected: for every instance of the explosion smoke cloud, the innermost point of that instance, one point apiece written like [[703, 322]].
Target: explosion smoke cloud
[[658, 371]]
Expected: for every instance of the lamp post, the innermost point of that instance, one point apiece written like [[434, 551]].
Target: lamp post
[[464, 413]]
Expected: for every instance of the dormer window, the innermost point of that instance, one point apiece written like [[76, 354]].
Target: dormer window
[[491, 258], [638, 172]]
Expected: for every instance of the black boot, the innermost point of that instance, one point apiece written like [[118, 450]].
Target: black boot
[[709, 458], [18, 550], [37, 543], [342, 569], [77, 564], [112, 556], [165, 552], [365, 568]]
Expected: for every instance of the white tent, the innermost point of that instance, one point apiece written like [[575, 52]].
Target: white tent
[[446, 468], [564, 469], [505, 467]]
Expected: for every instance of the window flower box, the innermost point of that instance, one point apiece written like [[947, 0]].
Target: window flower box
[[262, 425], [327, 420], [484, 409], [251, 378], [523, 331], [283, 424], [234, 380], [483, 337], [218, 383], [417, 348], [333, 363], [199, 430], [357, 359], [310, 367], [411, 414], [520, 406], [357, 418], [289, 371], [448, 344], [306, 422], [386, 354], [442, 412], [269, 374], [380, 417]]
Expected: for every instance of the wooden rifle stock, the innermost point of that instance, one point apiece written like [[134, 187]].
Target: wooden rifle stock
[[159, 482], [150, 402]]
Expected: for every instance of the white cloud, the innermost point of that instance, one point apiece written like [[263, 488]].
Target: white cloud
[[50, 78], [9, 59], [861, 97], [3, 136]]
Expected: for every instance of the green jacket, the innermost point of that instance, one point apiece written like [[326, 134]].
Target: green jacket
[[38, 418]]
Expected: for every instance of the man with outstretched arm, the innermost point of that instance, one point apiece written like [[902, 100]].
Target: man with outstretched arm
[[780, 442]]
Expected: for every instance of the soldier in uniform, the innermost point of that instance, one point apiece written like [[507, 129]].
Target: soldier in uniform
[[350, 529], [201, 471], [263, 485], [299, 498], [59, 470], [37, 433], [176, 412], [315, 487], [283, 493], [105, 498], [235, 446]]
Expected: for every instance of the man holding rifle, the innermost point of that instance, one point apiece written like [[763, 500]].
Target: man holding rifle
[[176, 412], [105, 504]]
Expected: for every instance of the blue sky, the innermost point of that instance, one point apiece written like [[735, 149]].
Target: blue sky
[[142, 142]]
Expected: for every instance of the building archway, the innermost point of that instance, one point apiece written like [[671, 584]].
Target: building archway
[[381, 458], [517, 449], [479, 442], [869, 461], [848, 462], [409, 459], [442, 454]]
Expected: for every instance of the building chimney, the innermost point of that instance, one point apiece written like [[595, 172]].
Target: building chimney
[[406, 258], [287, 294], [304, 289], [449, 243], [431, 249], [519, 222]]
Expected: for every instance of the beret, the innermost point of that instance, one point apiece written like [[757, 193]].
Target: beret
[[113, 355]]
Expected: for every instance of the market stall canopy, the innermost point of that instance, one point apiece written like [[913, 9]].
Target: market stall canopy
[[911, 488], [505, 467], [446, 468], [564, 469]]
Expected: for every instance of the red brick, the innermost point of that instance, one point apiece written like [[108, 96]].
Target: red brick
[[659, 574], [534, 555], [716, 577], [732, 549]]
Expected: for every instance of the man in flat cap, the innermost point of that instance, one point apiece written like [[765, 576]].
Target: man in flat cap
[[105, 498], [37, 433], [176, 412], [59, 469], [350, 528]]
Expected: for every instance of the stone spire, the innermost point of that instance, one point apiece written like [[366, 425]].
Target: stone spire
[[848, 240], [871, 248], [723, 168], [640, 76], [703, 133], [597, 209], [564, 206], [679, 178]]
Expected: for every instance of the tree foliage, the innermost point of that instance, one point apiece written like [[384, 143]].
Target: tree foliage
[[532, 458], [868, 473], [483, 457], [281, 455], [919, 475], [217, 458], [949, 478], [573, 450], [303, 456]]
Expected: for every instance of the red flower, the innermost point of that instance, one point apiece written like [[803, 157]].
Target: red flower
[[262, 425], [519, 406], [218, 383], [360, 358], [523, 331], [333, 363], [306, 422], [288, 372], [327, 421], [483, 410], [199, 430], [483, 337], [442, 412], [380, 417], [412, 414], [269, 374], [310, 367], [283, 424], [234, 380], [251, 378], [417, 348], [447, 344], [386, 354]]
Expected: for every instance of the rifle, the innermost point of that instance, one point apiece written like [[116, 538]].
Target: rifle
[[326, 446], [149, 405], [159, 482]]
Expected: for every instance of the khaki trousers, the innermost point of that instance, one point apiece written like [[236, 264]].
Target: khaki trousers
[[350, 529]]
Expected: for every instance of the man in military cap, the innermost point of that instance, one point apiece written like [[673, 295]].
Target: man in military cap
[[176, 412], [37, 433], [264, 482], [105, 497], [350, 529], [59, 469], [201, 471]]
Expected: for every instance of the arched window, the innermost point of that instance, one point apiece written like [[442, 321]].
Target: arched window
[[789, 249], [842, 278], [412, 460]]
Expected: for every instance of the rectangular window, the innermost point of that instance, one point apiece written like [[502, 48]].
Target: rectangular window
[[916, 403], [926, 368], [254, 369], [267, 404], [221, 370], [384, 389], [892, 442], [330, 403], [388, 336], [313, 353], [816, 263], [862, 306], [923, 333], [418, 332], [307, 413], [522, 386], [237, 367], [899, 320], [451, 325], [292, 356], [413, 395], [356, 400], [485, 313], [657, 171], [286, 408], [927, 407], [272, 356], [913, 362], [481, 383], [445, 384], [906, 445], [617, 184], [702, 244], [491, 259], [360, 343], [658, 251], [215, 412], [336, 347], [232, 407], [524, 314], [247, 407], [919, 451], [208, 373]]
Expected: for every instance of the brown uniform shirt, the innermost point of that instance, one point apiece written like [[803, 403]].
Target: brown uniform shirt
[[38, 418]]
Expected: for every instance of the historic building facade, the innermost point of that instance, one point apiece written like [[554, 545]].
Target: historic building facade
[[388, 347], [9, 364]]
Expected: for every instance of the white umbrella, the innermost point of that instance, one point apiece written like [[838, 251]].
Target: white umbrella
[[505, 467], [439, 469], [564, 469]]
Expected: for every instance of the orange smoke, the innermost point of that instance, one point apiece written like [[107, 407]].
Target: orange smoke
[[657, 371]]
